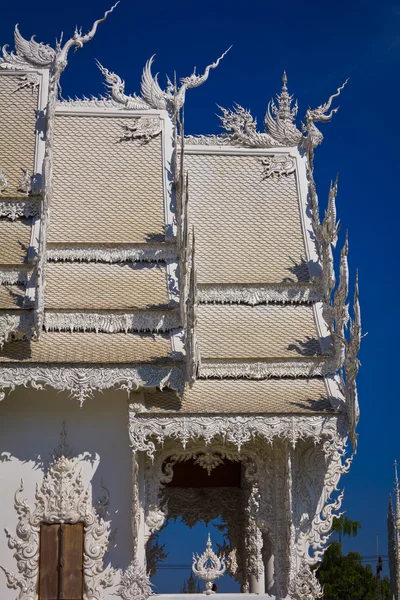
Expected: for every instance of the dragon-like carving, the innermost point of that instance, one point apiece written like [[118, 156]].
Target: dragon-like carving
[[280, 129], [152, 95]]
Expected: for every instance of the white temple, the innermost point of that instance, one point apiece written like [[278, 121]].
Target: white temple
[[168, 302]]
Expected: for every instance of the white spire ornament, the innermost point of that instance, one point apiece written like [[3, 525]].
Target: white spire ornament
[[208, 566]]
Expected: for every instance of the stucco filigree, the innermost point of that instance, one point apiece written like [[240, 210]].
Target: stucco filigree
[[279, 124], [83, 382], [3, 182], [259, 294], [17, 209], [146, 431], [277, 165], [305, 586], [62, 498], [98, 253], [111, 323], [141, 128], [16, 326], [152, 96], [266, 369], [13, 276], [135, 583]]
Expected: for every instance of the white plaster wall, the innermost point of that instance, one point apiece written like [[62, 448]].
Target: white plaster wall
[[30, 425]]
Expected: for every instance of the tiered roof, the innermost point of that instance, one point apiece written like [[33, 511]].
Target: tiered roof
[[199, 264]]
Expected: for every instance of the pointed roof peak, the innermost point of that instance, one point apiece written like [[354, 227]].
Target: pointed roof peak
[[284, 81]]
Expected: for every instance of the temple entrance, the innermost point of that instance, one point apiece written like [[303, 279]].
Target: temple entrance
[[208, 491]]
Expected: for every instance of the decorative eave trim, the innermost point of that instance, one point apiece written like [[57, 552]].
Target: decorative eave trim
[[82, 382], [15, 275], [266, 369], [259, 293], [16, 325], [147, 431], [112, 254], [17, 209], [111, 322]]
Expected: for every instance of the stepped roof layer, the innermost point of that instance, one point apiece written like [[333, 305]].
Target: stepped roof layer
[[143, 259], [284, 396], [248, 226]]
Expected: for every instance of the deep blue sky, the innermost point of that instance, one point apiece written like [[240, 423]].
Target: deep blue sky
[[319, 45]]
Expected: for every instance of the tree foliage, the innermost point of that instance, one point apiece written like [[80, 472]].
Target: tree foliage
[[344, 577], [345, 527]]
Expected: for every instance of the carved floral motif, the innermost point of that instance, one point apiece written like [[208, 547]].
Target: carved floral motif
[[62, 498], [259, 294], [305, 586], [112, 323], [277, 165]]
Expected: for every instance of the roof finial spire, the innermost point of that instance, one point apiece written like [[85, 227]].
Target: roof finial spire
[[284, 81], [284, 111]]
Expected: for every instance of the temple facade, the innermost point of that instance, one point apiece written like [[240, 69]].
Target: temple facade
[[174, 342]]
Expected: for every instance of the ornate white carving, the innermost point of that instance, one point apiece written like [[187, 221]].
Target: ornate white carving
[[135, 583], [62, 498], [141, 128], [146, 431], [16, 326], [336, 311], [258, 294], [316, 475], [12, 276], [25, 185], [3, 182], [280, 129], [193, 359], [264, 370], [17, 209], [30, 53], [83, 382], [155, 320], [208, 567], [152, 96], [28, 80], [277, 165], [209, 461], [98, 253], [305, 585], [320, 114]]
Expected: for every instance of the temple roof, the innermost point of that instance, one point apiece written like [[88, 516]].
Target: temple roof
[[248, 226], [285, 396], [123, 244]]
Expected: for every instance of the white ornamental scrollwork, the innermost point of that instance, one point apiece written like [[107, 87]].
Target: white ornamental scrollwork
[[154, 320], [29, 81], [259, 294], [62, 498], [137, 253], [279, 124], [83, 382], [147, 431], [208, 566], [305, 585], [17, 209], [277, 165], [135, 583], [316, 475], [3, 182], [15, 326], [152, 96], [143, 129]]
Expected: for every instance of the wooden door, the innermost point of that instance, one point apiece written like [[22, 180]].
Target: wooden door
[[61, 562]]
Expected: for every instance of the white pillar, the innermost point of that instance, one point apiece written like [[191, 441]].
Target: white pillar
[[255, 563]]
